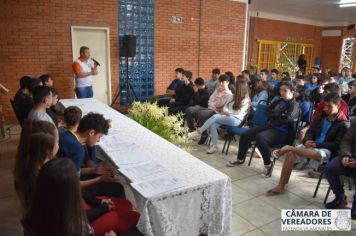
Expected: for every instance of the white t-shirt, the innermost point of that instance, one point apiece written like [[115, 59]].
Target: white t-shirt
[[86, 66], [35, 115]]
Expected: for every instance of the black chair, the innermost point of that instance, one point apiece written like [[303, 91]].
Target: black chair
[[328, 192], [258, 119], [280, 145]]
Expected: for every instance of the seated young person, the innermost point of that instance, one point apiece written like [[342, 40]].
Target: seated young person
[[259, 92], [232, 115], [183, 96], [23, 93], [97, 180], [213, 83], [273, 80], [344, 80], [23, 99], [305, 105], [352, 99], [314, 82], [38, 144], [51, 110], [72, 116], [344, 164], [42, 99], [320, 143], [216, 103], [201, 94], [330, 88], [280, 129], [286, 77], [173, 88], [264, 74], [317, 94], [232, 80], [46, 80], [57, 207]]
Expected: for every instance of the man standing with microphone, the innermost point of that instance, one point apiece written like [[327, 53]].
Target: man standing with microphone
[[84, 69]]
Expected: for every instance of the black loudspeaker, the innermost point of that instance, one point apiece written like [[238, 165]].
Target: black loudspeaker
[[128, 48]]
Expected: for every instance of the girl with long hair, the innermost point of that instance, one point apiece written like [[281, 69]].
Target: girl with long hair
[[38, 144], [56, 207], [233, 113], [260, 93]]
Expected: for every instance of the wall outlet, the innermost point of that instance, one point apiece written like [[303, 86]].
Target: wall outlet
[[177, 19]]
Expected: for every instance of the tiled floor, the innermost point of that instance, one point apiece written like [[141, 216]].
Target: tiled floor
[[254, 214]]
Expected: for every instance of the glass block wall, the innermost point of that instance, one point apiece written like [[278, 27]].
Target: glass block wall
[[136, 17]]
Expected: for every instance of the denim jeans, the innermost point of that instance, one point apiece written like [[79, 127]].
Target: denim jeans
[[265, 137], [84, 92], [214, 122], [333, 170]]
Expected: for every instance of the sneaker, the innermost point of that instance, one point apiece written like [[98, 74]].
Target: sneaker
[[235, 163], [314, 174], [203, 139], [212, 150], [336, 203], [275, 154], [194, 135], [267, 171]]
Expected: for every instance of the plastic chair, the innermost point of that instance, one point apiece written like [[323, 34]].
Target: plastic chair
[[259, 119], [306, 114], [280, 145]]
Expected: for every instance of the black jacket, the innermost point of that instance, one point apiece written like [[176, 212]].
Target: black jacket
[[352, 107], [334, 135], [200, 98], [284, 115], [23, 105], [184, 95]]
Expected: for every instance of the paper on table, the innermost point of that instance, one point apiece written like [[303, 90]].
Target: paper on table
[[115, 143], [123, 158], [142, 170], [157, 186]]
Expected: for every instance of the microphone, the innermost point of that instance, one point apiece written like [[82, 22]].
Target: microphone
[[95, 61]]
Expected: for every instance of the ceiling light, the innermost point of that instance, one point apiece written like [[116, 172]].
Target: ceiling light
[[347, 1], [348, 5]]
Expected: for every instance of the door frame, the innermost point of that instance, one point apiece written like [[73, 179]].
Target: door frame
[[107, 30]]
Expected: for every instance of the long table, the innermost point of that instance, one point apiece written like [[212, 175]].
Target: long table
[[201, 206]]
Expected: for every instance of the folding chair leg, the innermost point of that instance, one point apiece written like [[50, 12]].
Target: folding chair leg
[[228, 146], [327, 195], [318, 184], [253, 151], [223, 149]]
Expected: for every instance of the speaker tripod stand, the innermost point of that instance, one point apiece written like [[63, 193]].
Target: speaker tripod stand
[[129, 89]]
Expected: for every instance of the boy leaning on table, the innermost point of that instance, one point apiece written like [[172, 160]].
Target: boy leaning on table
[[96, 179]]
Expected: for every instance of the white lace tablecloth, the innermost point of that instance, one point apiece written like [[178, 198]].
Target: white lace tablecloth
[[203, 205]]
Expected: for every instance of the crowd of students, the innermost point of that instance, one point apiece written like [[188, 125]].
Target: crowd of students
[[63, 188], [326, 103]]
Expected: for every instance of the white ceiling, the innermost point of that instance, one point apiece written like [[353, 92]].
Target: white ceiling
[[320, 12]]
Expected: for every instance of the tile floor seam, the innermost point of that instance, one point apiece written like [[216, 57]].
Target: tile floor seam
[[253, 230]]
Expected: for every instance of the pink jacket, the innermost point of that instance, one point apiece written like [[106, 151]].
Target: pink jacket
[[218, 99]]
